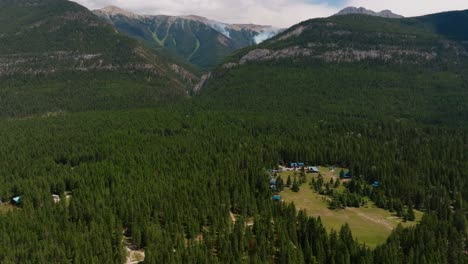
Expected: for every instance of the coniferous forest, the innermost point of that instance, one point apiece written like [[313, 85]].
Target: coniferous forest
[[91, 158], [171, 177]]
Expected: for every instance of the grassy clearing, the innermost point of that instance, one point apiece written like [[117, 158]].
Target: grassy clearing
[[5, 208], [369, 224]]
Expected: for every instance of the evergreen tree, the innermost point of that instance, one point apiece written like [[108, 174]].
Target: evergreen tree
[[295, 186]]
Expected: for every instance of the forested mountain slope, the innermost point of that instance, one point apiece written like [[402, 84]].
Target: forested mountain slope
[[190, 182], [200, 41], [55, 55], [354, 65]]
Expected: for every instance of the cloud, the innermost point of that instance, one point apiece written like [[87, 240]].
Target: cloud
[[279, 13], [410, 8]]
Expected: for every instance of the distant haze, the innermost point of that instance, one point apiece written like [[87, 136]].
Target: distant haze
[[278, 13]]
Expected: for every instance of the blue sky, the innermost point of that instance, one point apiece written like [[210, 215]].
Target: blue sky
[[279, 13]]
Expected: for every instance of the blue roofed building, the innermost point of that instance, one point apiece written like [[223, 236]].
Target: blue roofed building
[[376, 184], [17, 199], [276, 198]]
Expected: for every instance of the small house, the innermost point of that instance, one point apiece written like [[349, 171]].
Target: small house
[[346, 175], [276, 198], [16, 200], [313, 169], [56, 198], [376, 184], [293, 165], [301, 164]]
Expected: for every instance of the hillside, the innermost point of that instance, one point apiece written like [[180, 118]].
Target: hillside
[[198, 40], [211, 179], [55, 55], [354, 66]]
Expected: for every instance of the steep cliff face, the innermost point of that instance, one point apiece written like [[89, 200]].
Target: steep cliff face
[[198, 40]]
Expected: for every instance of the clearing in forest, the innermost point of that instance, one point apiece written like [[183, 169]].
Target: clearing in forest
[[4, 208], [370, 225], [134, 255]]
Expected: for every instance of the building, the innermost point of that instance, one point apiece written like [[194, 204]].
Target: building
[[56, 198], [376, 184], [313, 169], [16, 200], [276, 198]]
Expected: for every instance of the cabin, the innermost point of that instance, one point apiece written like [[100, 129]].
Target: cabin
[[313, 169], [56, 198], [346, 175], [272, 182], [16, 200], [376, 184], [296, 165], [276, 198]]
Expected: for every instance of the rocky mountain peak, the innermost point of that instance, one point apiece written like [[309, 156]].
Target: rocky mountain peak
[[364, 11]]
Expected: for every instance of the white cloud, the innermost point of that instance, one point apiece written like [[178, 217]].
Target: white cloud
[[279, 13], [410, 8]]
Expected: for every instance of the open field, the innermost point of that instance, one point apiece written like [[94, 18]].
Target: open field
[[369, 224], [4, 208]]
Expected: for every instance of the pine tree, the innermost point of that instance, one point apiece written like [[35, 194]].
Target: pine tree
[[410, 214], [288, 181], [295, 186]]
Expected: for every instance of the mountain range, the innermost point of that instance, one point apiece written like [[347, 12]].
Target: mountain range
[[353, 65], [56, 55], [200, 41], [364, 11], [115, 150]]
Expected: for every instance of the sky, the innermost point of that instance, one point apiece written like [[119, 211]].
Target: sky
[[278, 13]]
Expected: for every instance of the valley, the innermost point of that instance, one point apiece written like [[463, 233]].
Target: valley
[[131, 138]]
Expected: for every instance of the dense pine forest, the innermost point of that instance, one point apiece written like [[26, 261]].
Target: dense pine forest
[[91, 159], [171, 177]]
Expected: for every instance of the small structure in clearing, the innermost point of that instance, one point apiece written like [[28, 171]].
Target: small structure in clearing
[[296, 165], [17, 200], [313, 169], [276, 198], [56, 198]]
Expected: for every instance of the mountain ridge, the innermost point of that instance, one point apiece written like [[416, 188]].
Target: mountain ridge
[[200, 41], [406, 68], [56, 55], [363, 11]]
